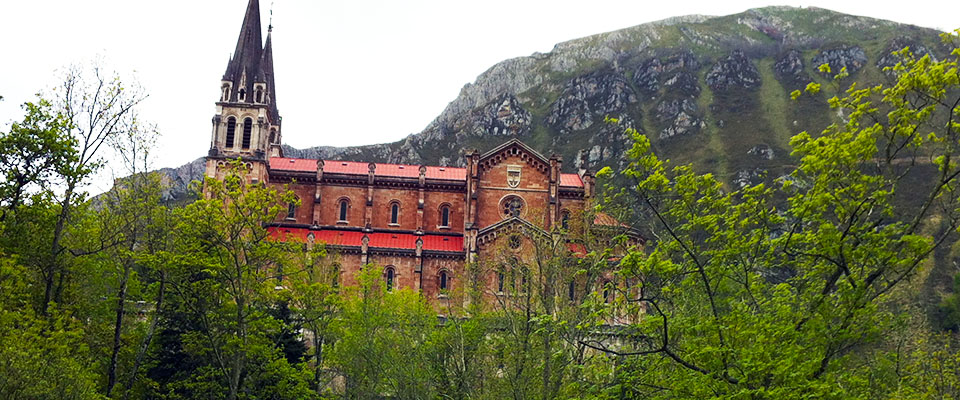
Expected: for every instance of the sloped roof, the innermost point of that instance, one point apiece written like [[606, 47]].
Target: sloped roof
[[606, 220], [266, 72], [363, 168], [247, 54], [514, 142], [570, 180], [293, 164], [383, 240]]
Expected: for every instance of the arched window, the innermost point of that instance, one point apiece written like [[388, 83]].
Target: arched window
[[565, 219], [606, 291], [291, 210], [242, 95], [335, 281], [523, 279], [226, 92], [444, 216], [394, 213], [259, 95], [444, 280], [231, 132], [500, 279], [343, 206], [247, 129], [273, 135], [572, 291], [389, 275]]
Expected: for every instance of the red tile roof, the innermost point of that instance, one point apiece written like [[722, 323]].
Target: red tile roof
[[571, 180], [345, 167], [607, 220], [393, 240], [339, 238], [293, 164], [397, 170], [385, 240], [446, 173], [363, 168], [284, 234], [577, 248], [443, 243]]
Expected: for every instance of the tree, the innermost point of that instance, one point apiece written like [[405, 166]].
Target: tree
[[784, 289], [228, 273], [32, 154], [547, 285], [381, 340], [40, 358], [96, 106], [132, 219], [314, 296]]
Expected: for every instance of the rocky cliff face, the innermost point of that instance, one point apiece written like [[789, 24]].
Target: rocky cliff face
[[712, 91]]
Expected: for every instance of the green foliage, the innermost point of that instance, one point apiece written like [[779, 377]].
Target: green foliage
[[772, 291], [380, 347], [40, 358], [227, 272], [949, 308], [789, 289], [33, 153]]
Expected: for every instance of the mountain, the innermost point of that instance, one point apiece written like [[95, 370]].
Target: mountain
[[712, 91]]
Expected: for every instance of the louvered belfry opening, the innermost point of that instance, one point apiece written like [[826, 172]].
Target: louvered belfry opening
[[231, 132], [247, 129]]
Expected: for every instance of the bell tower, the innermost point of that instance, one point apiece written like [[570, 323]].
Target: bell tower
[[246, 123]]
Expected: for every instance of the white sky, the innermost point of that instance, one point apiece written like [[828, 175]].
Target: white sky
[[348, 72]]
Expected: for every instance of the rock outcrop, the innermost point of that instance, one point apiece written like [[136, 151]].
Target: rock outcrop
[[850, 57], [589, 98], [789, 67], [734, 71]]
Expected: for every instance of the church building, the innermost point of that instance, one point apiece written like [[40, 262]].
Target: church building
[[422, 223]]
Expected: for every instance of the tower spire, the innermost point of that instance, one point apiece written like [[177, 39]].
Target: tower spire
[[270, 24], [265, 74], [246, 123], [246, 58]]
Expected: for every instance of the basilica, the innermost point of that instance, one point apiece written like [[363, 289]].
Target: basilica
[[422, 223]]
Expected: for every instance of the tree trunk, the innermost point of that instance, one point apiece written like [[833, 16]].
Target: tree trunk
[[318, 359], [141, 354], [53, 265], [118, 327], [236, 374]]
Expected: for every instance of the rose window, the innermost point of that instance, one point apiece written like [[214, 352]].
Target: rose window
[[511, 206]]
